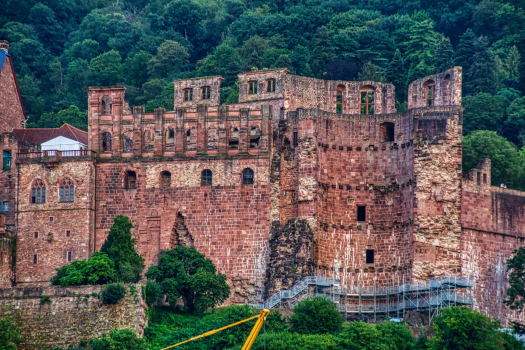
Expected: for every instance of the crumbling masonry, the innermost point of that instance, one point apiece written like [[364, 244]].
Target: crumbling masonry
[[300, 177]]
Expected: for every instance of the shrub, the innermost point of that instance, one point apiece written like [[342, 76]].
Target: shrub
[[153, 292], [9, 333], [316, 316], [99, 269], [44, 299], [113, 293], [123, 339]]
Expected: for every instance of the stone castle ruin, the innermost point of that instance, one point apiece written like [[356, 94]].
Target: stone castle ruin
[[301, 177]]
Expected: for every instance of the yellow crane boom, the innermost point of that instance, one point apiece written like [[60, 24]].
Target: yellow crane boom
[[251, 337]]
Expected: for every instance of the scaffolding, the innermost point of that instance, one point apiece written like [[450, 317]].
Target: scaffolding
[[391, 301]]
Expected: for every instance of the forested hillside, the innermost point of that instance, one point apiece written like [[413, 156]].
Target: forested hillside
[[59, 47]]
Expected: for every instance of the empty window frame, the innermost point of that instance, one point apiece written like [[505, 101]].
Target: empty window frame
[[484, 178], [131, 180], [295, 139], [69, 256], [171, 133], [106, 105], [369, 256], [252, 87], [6, 207], [38, 192], [247, 176], [234, 139], [68, 233], [188, 136], [51, 219], [188, 94], [429, 92], [339, 99], [67, 190], [255, 137], [35, 259], [206, 178], [366, 105], [7, 160], [387, 132], [270, 85], [205, 92], [36, 234], [106, 142], [361, 213], [165, 179]]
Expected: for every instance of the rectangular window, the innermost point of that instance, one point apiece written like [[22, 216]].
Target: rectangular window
[[367, 102], [43, 195], [484, 178], [38, 195], [188, 95], [68, 233], [6, 207], [206, 93], [171, 134], [35, 259], [295, 140], [71, 194], [252, 87], [369, 256], [361, 213], [479, 178], [51, 219], [69, 256], [7, 160], [33, 195], [430, 95], [61, 194], [270, 86], [339, 102], [36, 234]]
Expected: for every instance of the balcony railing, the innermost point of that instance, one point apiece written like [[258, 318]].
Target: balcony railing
[[50, 154]]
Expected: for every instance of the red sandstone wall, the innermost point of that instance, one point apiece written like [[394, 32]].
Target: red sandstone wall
[[196, 84], [12, 111], [447, 89], [52, 245]]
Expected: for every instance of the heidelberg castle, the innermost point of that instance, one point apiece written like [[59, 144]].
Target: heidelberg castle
[[301, 177]]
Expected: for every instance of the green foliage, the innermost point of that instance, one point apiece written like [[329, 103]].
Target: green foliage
[[120, 247], [9, 333], [123, 339], [484, 112], [44, 299], [462, 328], [153, 292], [186, 275], [113, 293], [316, 316], [106, 69], [293, 341], [99, 269], [72, 116], [506, 165]]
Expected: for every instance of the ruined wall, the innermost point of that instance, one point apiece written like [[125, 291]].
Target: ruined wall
[[43, 227], [11, 111], [443, 89], [72, 315], [7, 259], [195, 91], [262, 78], [8, 142], [228, 222]]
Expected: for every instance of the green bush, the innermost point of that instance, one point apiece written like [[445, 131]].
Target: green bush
[[113, 293], [153, 292], [9, 333], [99, 269], [123, 339], [316, 316], [293, 341], [44, 299]]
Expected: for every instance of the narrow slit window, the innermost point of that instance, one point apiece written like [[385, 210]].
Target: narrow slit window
[[361, 213], [270, 85], [69, 256], [339, 99], [6, 207], [206, 93], [484, 178], [171, 134], [295, 139], [367, 101], [369, 256], [35, 259], [252, 87], [188, 94]]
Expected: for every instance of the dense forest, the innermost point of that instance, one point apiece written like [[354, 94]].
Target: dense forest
[[59, 47]]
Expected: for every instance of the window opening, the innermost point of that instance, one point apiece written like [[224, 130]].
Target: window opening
[[367, 101], [339, 99], [6, 207], [36, 234], [35, 259], [430, 92], [188, 94], [7, 160], [38, 192], [69, 257], [484, 178], [106, 142], [361, 213], [206, 178], [165, 179], [255, 136], [369, 256], [68, 233], [171, 134], [106, 105], [326, 127], [188, 136], [51, 219], [252, 87], [270, 85], [479, 178], [206, 93], [387, 132], [295, 139], [67, 190], [247, 176], [131, 180], [234, 139]]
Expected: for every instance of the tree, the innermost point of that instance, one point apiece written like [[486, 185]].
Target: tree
[[120, 247], [396, 336], [506, 165], [516, 291], [186, 275], [106, 69], [99, 269], [361, 336], [136, 68], [370, 72], [444, 55], [465, 52], [484, 112], [396, 74], [512, 64], [72, 116], [322, 52], [482, 73], [50, 32], [9, 333], [316, 316], [515, 122], [185, 17], [123, 339], [171, 58], [459, 327]]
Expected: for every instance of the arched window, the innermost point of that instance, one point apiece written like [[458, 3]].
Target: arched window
[[38, 192], [366, 105], [206, 178], [165, 179], [270, 85], [234, 139], [387, 132], [106, 105], [106, 142], [67, 190], [205, 92], [339, 99], [252, 87], [131, 180], [255, 136], [247, 176], [429, 87]]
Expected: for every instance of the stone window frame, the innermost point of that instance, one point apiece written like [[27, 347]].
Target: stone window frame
[[430, 93], [233, 141], [205, 92], [206, 178], [106, 104], [129, 183], [188, 94], [248, 177], [339, 93], [69, 256], [255, 136], [38, 193], [51, 219], [68, 233], [35, 258], [171, 133], [370, 256], [387, 132], [7, 159], [70, 189], [35, 235], [367, 104], [270, 85], [6, 206], [106, 147], [162, 183], [252, 87]]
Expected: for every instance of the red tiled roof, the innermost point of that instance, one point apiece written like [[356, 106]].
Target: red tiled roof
[[39, 136]]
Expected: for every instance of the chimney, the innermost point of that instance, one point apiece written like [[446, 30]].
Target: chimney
[[4, 45]]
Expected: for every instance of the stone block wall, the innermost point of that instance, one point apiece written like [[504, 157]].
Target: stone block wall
[[262, 79], [443, 89], [72, 315], [12, 113], [7, 254], [195, 91]]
